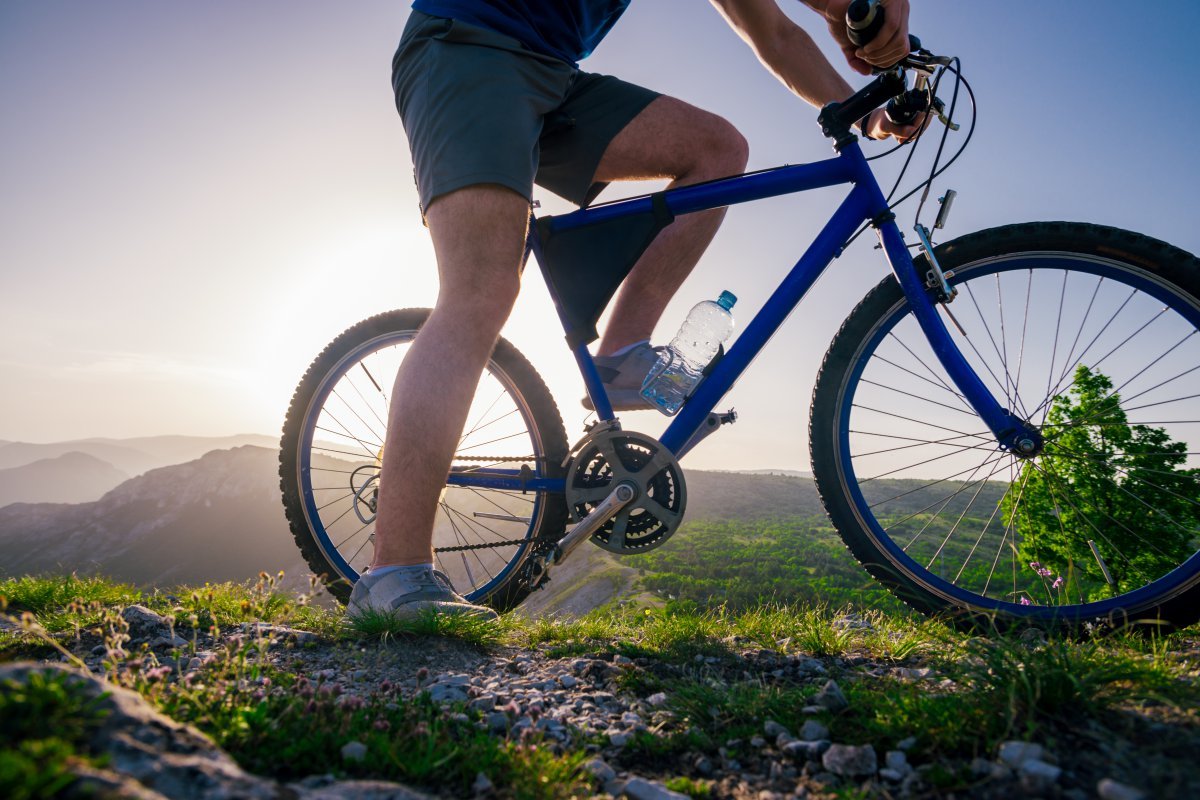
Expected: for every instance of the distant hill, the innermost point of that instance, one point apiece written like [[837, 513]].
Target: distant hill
[[213, 519], [70, 478], [131, 456], [784, 473]]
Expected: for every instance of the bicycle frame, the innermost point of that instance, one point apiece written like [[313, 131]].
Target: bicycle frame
[[864, 203]]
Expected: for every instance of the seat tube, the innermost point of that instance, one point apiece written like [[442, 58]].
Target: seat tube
[[1007, 429]]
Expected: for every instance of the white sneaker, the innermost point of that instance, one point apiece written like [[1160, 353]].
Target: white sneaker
[[623, 375], [406, 596]]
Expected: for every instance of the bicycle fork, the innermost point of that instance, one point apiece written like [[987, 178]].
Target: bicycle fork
[[1011, 432]]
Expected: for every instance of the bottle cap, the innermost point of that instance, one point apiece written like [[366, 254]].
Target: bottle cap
[[726, 300]]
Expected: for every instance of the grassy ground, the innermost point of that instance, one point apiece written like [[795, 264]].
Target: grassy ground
[[985, 688]]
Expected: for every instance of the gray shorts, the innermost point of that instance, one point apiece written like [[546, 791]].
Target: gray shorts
[[478, 107]]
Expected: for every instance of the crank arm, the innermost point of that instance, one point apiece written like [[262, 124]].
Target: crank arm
[[624, 494]]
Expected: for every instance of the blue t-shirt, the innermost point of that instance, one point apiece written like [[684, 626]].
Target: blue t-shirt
[[565, 29]]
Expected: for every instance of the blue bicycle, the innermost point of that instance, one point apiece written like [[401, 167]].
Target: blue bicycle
[[1006, 427]]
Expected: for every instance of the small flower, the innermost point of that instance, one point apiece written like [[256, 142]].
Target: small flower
[[1035, 564], [1024, 601], [158, 673], [1057, 582], [1044, 572], [382, 725]]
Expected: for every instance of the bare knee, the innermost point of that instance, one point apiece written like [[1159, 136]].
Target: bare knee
[[731, 149], [719, 149]]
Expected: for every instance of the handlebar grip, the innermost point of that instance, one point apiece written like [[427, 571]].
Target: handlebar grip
[[904, 110], [864, 19]]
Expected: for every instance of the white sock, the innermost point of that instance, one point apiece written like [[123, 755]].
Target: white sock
[[409, 569], [627, 348]]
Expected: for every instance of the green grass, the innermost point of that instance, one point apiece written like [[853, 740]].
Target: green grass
[[47, 723], [282, 726]]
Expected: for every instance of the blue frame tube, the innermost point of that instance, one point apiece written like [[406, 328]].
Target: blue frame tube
[[724, 192], [849, 215], [864, 202]]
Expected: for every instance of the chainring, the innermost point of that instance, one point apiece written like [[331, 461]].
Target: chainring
[[613, 456]]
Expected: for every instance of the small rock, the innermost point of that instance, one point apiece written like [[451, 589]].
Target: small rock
[[657, 699], [99, 650], [758, 741], [1015, 753], [167, 641], [980, 767], [354, 751], [806, 751], [897, 761], [630, 719], [446, 693], [831, 698], [619, 738], [641, 789], [600, 770], [1108, 789], [482, 784], [703, 766], [622, 660], [850, 760], [907, 743], [773, 729], [914, 673], [1037, 775], [483, 704], [568, 681], [889, 774], [812, 730], [497, 722], [453, 679], [144, 623], [615, 787]]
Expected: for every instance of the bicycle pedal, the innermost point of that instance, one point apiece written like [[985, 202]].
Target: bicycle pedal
[[711, 423]]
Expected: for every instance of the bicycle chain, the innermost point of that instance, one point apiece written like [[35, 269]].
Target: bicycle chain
[[496, 459], [504, 542]]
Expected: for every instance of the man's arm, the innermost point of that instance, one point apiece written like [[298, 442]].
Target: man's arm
[[791, 55]]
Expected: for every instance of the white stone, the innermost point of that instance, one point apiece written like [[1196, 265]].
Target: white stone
[[1016, 753], [1108, 789], [845, 759], [354, 751], [641, 789], [600, 770], [812, 730]]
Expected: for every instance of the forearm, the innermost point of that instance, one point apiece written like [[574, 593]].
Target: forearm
[[785, 49]]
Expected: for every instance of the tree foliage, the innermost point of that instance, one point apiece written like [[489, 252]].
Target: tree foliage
[[1101, 480]]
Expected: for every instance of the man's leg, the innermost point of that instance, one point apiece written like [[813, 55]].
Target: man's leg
[[668, 139], [479, 240]]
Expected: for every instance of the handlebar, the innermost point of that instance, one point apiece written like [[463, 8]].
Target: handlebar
[[864, 20]]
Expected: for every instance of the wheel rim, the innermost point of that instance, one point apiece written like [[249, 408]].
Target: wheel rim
[[343, 433], [926, 480]]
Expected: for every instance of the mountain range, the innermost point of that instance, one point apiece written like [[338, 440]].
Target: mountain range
[[82, 470]]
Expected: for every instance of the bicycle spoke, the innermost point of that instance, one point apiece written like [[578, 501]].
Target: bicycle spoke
[[920, 361], [958, 521], [967, 411]]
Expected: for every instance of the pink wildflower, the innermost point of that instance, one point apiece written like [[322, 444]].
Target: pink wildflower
[[1024, 601]]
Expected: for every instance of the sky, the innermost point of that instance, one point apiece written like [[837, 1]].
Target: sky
[[195, 197]]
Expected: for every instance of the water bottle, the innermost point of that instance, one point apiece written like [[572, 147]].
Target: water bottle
[[681, 365]]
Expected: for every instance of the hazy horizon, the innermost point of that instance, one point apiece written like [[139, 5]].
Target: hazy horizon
[[196, 198]]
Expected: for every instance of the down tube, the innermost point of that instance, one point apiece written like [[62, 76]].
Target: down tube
[[849, 215]]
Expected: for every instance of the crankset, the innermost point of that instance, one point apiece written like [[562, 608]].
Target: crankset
[[612, 459]]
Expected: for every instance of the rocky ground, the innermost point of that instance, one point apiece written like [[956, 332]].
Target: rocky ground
[[593, 702]]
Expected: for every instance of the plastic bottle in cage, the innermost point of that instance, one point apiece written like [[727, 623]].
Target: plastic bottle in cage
[[681, 364]]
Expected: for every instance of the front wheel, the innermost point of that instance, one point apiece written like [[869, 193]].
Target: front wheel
[[332, 448], [1093, 335]]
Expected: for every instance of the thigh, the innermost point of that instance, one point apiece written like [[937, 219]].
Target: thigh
[[472, 103], [670, 139], [576, 135]]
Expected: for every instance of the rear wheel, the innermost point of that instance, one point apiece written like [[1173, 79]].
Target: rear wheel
[[332, 448], [1093, 335]]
